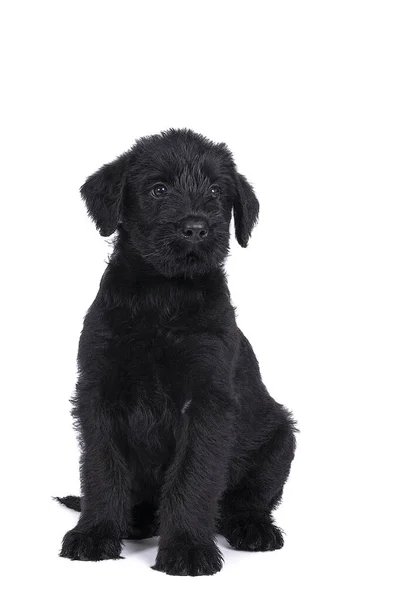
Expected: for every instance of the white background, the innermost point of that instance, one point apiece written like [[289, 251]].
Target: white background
[[307, 96]]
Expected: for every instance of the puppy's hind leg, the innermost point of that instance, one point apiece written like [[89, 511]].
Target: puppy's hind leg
[[245, 513]]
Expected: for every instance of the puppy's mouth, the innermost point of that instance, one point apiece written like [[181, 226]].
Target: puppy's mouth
[[189, 250], [192, 256], [172, 255]]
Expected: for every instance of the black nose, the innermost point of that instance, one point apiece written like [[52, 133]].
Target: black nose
[[194, 229]]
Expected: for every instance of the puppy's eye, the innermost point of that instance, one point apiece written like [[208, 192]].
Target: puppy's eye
[[159, 190], [215, 191]]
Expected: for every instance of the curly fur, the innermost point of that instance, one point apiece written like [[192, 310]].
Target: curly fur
[[179, 436]]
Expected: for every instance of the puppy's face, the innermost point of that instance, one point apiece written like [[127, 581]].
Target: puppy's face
[[174, 194]]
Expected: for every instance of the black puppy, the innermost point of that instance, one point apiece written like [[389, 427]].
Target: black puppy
[[179, 436]]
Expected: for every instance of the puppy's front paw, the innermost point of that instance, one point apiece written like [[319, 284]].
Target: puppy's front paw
[[253, 534], [78, 545], [189, 559]]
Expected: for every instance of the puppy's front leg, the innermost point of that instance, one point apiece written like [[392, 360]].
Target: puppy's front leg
[[105, 481], [193, 485]]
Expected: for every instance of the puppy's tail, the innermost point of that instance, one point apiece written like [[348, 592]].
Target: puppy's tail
[[73, 502]]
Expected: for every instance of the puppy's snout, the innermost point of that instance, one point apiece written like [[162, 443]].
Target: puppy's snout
[[194, 229]]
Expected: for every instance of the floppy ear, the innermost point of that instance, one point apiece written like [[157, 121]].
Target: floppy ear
[[103, 193], [245, 210]]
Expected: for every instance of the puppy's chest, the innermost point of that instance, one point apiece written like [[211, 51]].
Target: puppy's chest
[[155, 341], [153, 359], [157, 360], [154, 353], [158, 349]]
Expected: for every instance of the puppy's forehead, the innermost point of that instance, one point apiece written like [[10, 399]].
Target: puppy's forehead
[[172, 158], [178, 166]]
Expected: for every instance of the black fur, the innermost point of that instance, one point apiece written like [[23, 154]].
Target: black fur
[[179, 436]]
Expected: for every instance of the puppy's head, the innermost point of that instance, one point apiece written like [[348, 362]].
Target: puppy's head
[[173, 194]]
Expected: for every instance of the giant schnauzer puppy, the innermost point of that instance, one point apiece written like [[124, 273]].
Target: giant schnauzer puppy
[[179, 436]]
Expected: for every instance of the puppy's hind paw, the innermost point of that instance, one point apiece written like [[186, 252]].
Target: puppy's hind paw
[[254, 535], [187, 559], [79, 545]]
